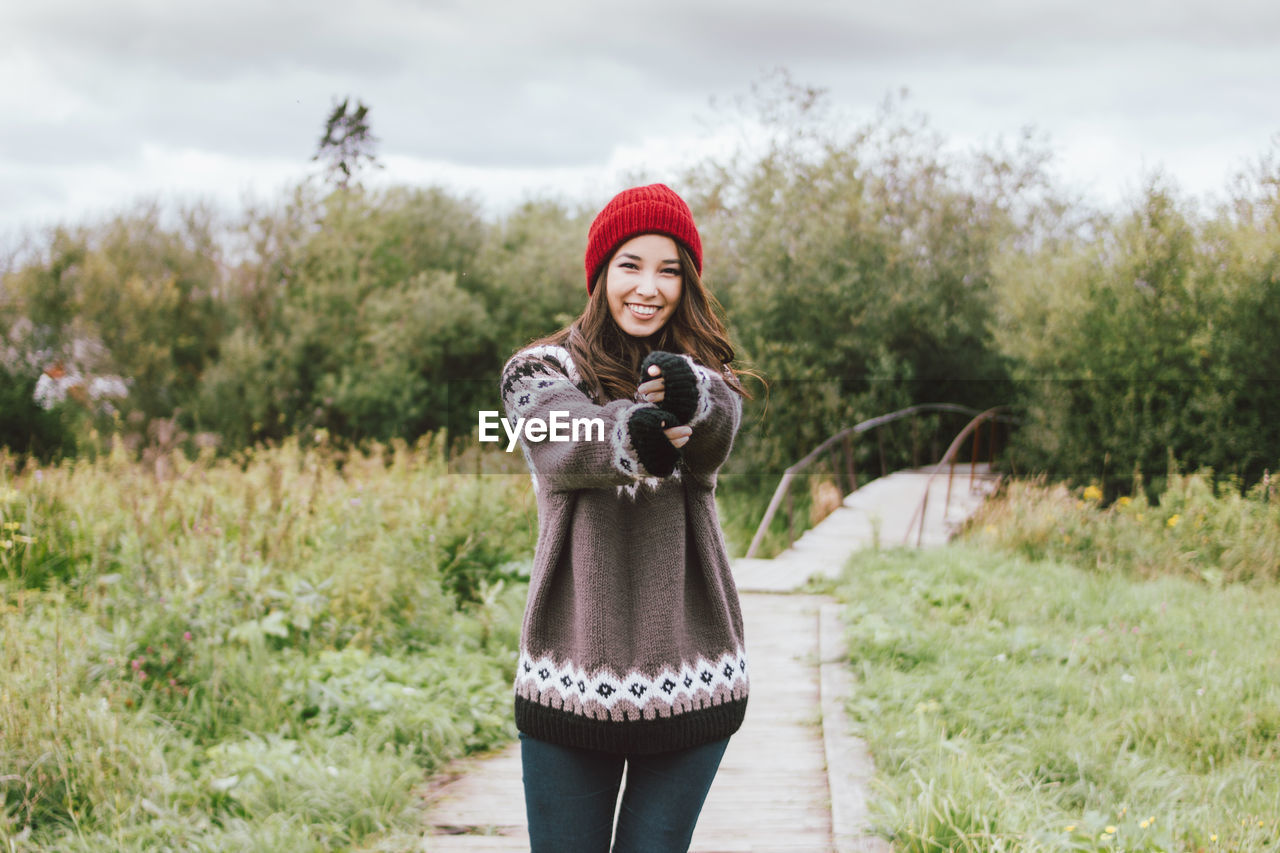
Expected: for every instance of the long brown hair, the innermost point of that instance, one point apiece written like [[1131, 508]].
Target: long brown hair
[[608, 359]]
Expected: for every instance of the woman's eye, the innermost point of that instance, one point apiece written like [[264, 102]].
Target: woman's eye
[[629, 265], [671, 271]]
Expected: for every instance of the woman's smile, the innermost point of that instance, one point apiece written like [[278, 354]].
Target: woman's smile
[[645, 312], [644, 283]]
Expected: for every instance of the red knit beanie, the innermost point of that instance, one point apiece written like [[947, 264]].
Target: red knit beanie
[[654, 209]]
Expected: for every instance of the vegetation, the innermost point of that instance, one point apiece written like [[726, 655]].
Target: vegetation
[[252, 652], [247, 598], [862, 267], [1148, 336], [1031, 705], [1217, 534]]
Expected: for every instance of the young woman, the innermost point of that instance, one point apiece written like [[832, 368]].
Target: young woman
[[632, 658]]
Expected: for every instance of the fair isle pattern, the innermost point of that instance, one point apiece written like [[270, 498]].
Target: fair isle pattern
[[601, 694], [631, 490], [532, 380], [626, 460], [624, 455], [528, 396], [705, 378], [560, 356]]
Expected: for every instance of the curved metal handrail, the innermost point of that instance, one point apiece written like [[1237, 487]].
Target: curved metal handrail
[[917, 518], [784, 485]]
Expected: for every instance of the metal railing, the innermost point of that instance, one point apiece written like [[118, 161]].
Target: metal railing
[[990, 416], [845, 440]]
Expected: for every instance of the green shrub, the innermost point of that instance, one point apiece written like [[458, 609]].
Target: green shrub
[[1199, 528], [241, 650]]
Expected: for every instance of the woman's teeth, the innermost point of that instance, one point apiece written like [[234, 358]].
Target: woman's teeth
[[643, 310]]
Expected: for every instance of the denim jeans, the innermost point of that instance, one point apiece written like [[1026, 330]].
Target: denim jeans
[[571, 796]]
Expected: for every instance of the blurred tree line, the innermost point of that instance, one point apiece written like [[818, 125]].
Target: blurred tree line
[[862, 269]]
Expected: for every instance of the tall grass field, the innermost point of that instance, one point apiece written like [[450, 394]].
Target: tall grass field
[[260, 653], [1076, 677]]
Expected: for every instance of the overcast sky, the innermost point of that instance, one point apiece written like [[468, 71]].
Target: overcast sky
[[107, 101]]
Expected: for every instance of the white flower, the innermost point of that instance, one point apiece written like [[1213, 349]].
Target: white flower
[[107, 386], [49, 392]]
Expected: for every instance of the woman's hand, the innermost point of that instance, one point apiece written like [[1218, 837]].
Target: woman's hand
[[654, 391], [679, 385], [679, 435]]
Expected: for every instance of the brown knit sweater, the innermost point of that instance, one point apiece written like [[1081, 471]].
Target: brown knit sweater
[[632, 639]]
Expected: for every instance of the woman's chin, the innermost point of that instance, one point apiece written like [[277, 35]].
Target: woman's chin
[[638, 330]]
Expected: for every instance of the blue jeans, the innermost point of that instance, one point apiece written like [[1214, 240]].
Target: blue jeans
[[571, 794]]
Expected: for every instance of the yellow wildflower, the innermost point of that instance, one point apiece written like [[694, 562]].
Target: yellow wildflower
[[6, 544], [1111, 830], [1069, 828], [1124, 500], [1173, 520], [1213, 837], [1092, 493]]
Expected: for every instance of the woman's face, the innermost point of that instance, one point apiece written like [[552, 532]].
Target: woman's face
[[644, 283]]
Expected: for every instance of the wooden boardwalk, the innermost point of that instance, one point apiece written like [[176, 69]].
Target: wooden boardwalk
[[793, 778]]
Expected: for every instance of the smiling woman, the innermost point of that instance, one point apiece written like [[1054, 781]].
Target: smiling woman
[[631, 656], [643, 284]]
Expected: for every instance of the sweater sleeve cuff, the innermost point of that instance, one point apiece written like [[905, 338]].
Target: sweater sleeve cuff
[[643, 436], [704, 379]]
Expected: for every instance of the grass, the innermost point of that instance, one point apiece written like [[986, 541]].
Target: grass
[[1213, 532], [1016, 704], [261, 653]]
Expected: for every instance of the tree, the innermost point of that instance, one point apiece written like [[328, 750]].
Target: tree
[[347, 144]]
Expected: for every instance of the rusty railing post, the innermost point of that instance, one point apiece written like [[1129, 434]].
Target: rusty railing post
[[849, 470], [951, 475], [791, 518], [924, 509], [973, 457]]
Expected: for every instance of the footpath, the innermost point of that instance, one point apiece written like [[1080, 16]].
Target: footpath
[[793, 778]]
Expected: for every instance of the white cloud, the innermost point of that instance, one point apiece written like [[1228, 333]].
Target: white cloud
[[147, 96]]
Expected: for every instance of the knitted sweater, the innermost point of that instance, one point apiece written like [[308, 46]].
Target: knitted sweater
[[632, 639]]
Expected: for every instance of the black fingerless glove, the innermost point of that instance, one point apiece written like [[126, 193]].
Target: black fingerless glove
[[656, 452], [680, 397]]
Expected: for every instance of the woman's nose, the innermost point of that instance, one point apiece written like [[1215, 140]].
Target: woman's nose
[[648, 286]]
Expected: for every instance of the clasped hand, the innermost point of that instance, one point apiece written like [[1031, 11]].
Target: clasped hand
[[654, 391]]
